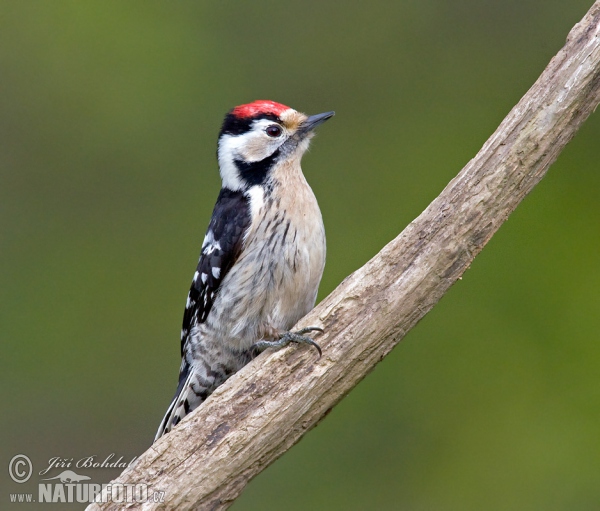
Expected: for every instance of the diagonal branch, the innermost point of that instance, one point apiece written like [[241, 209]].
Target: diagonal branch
[[264, 409]]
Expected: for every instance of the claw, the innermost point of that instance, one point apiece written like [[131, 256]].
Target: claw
[[307, 329], [287, 337]]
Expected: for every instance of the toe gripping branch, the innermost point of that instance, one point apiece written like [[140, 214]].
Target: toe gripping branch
[[288, 337]]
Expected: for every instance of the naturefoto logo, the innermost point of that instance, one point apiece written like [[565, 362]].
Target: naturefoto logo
[[68, 476], [69, 486]]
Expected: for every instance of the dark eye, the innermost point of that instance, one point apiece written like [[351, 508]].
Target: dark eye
[[273, 130]]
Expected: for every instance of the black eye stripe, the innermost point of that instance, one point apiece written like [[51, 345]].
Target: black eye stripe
[[233, 125]]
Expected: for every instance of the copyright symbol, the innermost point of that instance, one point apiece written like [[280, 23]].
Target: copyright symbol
[[20, 468]]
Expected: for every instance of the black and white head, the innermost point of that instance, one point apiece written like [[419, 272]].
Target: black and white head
[[257, 136]]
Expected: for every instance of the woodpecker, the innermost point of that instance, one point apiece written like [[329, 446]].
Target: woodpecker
[[262, 257]]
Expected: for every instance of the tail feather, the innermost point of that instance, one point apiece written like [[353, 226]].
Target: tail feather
[[189, 395], [195, 384]]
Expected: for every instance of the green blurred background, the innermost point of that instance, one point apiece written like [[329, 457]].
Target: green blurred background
[[109, 113]]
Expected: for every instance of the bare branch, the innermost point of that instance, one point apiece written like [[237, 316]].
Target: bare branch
[[264, 409]]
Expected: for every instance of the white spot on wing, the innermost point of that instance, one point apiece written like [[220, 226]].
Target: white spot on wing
[[216, 272], [204, 277], [215, 245], [209, 238], [195, 276]]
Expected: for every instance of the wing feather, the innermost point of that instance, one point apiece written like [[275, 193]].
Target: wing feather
[[221, 248]]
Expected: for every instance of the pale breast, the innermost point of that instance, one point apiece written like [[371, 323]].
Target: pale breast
[[302, 257], [275, 281]]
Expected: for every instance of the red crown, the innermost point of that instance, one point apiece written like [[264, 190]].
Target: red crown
[[261, 106]]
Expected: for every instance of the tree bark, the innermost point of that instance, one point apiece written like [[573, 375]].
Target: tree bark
[[264, 409]]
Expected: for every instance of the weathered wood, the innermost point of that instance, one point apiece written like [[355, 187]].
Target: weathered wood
[[264, 409]]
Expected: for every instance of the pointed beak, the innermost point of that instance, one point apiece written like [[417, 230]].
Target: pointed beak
[[314, 120]]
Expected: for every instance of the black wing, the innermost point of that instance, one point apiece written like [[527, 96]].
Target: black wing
[[221, 248]]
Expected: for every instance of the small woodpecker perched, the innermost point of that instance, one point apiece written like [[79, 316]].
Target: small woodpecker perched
[[262, 257]]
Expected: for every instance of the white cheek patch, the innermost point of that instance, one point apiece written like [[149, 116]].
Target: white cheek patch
[[253, 146], [228, 151]]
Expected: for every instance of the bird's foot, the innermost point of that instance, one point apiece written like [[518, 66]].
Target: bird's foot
[[287, 337]]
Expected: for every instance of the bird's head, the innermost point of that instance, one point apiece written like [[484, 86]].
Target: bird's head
[[257, 136]]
